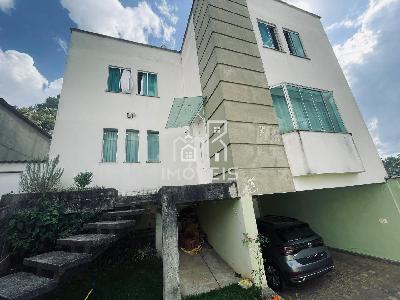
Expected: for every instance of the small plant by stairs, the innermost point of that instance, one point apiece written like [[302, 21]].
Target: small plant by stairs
[[45, 271]]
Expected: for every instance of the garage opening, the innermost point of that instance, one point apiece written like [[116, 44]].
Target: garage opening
[[201, 269]]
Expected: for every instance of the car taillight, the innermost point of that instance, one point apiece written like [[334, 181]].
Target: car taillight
[[288, 250]]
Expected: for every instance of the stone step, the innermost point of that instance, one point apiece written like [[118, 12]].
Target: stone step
[[111, 226], [25, 286], [87, 242], [56, 262], [122, 214], [124, 206]]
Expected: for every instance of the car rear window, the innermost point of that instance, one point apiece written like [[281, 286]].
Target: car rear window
[[294, 232]]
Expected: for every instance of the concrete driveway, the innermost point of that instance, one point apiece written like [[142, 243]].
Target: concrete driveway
[[355, 278]]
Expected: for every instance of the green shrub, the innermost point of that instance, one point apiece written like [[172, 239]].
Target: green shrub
[[41, 177], [83, 179], [36, 230]]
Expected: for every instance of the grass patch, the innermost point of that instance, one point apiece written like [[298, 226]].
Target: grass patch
[[233, 292], [122, 273], [125, 273]]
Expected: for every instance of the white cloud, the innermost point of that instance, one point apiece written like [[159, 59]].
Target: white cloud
[[21, 83], [62, 45], [7, 5], [364, 41], [54, 88], [111, 18], [168, 11], [373, 127]]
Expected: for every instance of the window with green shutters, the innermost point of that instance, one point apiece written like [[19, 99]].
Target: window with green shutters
[[282, 110], [119, 80], [132, 146], [269, 35], [294, 43], [301, 108], [147, 84], [110, 137], [153, 146]]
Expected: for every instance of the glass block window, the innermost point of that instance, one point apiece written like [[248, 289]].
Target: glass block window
[[153, 146], [269, 35], [294, 43], [110, 137], [147, 84], [301, 108], [132, 146]]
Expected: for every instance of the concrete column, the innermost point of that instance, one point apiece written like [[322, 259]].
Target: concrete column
[[159, 234], [233, 79], [170, 252]]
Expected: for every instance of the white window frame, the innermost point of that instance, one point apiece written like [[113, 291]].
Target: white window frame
[[147, 78]]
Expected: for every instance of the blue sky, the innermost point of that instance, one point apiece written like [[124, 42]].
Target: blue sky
[[34, 39]]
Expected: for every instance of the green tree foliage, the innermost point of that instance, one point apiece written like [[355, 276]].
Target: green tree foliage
[[83, 179], [43, 114], [392, 165], [36, 230], [41, 177]]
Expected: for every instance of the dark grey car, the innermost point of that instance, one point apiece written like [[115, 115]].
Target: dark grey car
[[294, 253]]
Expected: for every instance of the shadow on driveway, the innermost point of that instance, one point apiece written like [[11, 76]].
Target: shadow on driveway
[[354, 277]]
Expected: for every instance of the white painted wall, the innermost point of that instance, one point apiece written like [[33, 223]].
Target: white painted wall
[[86, 108], [10, 174], [321, 71], [319, 153]]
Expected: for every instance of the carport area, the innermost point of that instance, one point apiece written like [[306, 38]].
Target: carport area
[[360, 225], [354, 277]]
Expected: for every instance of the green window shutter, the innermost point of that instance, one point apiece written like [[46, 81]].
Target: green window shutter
[[299, 108], [322, 112], [153, 146], [333, 112], [132, 146], [268, 36], [110, 137], [282, 110], [289, 42], [312, 113], [294, 43], [298, 46], [152, 85], [114, 80]]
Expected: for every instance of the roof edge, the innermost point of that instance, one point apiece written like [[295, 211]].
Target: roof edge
[[122, 40], [21, 116]]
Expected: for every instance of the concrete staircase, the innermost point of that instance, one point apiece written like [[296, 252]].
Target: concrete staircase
[[45, 271]]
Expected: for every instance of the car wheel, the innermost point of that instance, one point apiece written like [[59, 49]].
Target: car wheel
[[274, 278]]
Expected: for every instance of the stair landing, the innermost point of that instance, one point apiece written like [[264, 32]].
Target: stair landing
[[24, 286]]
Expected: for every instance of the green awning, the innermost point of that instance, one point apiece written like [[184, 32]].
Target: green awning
[[184, 111]]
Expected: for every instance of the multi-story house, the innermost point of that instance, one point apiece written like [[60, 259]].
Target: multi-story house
[[255, 94]]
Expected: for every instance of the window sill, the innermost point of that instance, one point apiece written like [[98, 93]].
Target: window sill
[[148, 96], [132, 163], [276, 50], [153, 162], [123, 93], [108, 162], [301, 57]]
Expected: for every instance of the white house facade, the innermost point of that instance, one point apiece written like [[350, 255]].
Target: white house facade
[[272, 64]]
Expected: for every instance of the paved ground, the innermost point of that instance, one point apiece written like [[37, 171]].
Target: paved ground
[[204, 272], [355, 278]]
